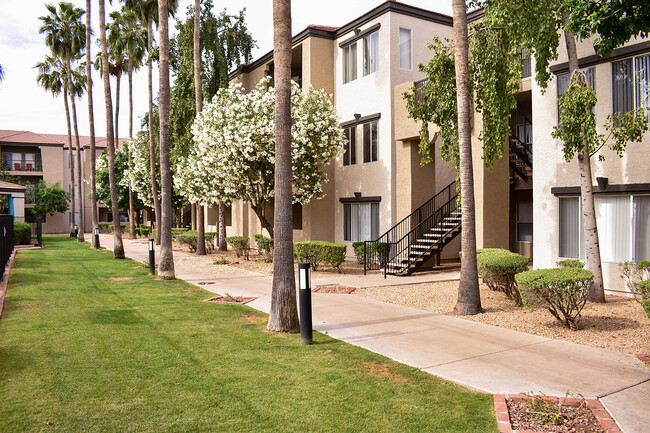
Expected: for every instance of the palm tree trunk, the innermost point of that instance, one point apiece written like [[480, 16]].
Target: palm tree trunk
[[70, 158], [152, 140], [80, 201], [592, 246], [118, 81], [469, 295], [118, 247], [284, 313], [222, 228], [91, 121], [200, 248], [131, 204], [166, 264]]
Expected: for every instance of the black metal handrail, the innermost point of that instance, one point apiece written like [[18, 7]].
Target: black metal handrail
[[379, 252]]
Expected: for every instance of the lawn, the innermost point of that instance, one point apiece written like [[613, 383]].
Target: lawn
[[93, 344]]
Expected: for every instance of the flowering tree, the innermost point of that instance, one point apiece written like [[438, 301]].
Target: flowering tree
[[139, 174], [234, 153]]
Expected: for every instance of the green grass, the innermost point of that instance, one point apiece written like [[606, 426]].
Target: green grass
[[82, 353]]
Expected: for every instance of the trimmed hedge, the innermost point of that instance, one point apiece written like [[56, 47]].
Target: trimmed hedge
[[22, 233], [191, 239], [264, 246], [570, 263], [318, 252], [108, 227], [359, 248], [240, 244], [142, 231], [377, 252], [498, 268], [563, 291]]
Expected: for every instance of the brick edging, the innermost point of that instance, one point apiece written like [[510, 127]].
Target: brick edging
[[5, 280], [596, 407]]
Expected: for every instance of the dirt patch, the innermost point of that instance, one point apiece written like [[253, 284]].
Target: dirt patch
[[121, 278], [644, 358], [620, 324], [254, 318], [551, 417], [336, 289], [382, 370], [230, 299]]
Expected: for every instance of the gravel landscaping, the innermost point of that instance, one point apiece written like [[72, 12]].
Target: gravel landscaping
[[619, 325]]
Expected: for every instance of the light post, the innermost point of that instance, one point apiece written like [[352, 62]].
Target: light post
[[96, 238], [152, 258], [304, 281]]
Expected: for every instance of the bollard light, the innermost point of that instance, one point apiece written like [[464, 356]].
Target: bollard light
[[96, 238], [152, 258], [304, 295], [76, 231]]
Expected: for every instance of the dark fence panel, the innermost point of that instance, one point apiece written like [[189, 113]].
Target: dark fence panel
[[6, 238]]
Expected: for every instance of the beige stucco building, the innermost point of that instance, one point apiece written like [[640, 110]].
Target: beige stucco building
[[32, 156], [369, 63]]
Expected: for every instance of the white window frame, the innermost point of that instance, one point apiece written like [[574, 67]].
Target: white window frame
[[410, 48]]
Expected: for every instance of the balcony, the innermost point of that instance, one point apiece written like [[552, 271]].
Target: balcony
[[26, 163]]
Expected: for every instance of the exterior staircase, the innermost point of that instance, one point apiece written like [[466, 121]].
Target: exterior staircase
[[521, 148], [419, 237]]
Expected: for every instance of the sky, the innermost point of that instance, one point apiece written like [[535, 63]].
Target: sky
[[24, 105]]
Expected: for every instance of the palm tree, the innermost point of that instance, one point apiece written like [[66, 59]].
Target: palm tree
[[147, 12], [166, 264], [118, 246], [284, 314], [91, 121], [469, 296], [65, 35], [200, 247], [127, 32]]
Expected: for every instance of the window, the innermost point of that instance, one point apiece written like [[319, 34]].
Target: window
[[623, 228], [360, 221], [571, 232], [350, 155], [370, 141], [370, 53], [405, 49], [631, 84], [350, 63], [525, 222], [563, 84], [296, 209]]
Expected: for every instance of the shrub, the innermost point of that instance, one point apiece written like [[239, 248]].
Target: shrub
[[264, 246], [563, 291], [643, 288], [498, 268], [317, 252], [22, 233], [636, 276], [359, 248], [191, 239], [108, 227], [240, 245], [142, 230], [570, 263]]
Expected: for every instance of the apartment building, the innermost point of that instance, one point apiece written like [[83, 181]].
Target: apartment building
[[32, 156], [379, 191]]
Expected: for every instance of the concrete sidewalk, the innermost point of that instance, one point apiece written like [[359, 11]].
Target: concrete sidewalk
[[482, 357]]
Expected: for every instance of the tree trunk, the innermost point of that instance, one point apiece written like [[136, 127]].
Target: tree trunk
[[80, 201], [469, 295], [118, 80], [70, 159], [264, 222], [592, 246], [118, 247], [91, 121], [284, 313], [166, 264], [200, 223], [131, 204], [222, 228], [152, 140]]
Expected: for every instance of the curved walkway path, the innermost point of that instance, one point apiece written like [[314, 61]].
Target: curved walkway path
[[482, 357]]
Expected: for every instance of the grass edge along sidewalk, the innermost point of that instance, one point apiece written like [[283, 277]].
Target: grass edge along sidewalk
[[89, 343]]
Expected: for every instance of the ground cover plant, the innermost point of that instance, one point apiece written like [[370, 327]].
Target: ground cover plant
[[94, 344]]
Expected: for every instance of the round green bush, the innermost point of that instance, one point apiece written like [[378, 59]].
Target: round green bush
[[563, 291], [498, 268], [22, 233], [240, 244], [317, 252], [570, 263]]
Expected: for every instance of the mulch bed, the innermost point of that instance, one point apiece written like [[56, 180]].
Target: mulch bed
[[644, 358], [514, 413], [231, 299], [336, 289]]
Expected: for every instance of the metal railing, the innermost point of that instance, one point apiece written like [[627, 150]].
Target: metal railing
[[10, 164], [380, 252]]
